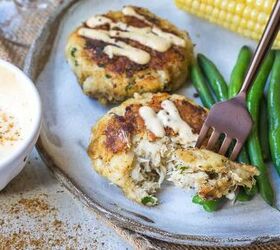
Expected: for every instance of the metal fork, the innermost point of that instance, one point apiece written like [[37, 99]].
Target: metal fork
[[231, 117]]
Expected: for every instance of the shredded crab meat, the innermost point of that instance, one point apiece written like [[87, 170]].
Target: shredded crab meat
[[151, 160]]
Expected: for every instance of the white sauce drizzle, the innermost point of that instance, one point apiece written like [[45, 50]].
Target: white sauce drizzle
[[152, 37], [141, 35], [137, 55], [151, 121], [167, 117], [150, 40], [130, 11], [170, 117], [169, 37], [94, 21]]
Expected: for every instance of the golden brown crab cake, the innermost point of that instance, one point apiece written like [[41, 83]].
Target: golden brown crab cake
[[119, 141], [122, 52], [150, 138]]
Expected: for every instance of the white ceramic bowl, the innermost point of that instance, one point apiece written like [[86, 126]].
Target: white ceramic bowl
[[13, 163]]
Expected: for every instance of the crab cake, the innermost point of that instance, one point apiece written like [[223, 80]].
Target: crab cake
[[150, 138], [122, 52]]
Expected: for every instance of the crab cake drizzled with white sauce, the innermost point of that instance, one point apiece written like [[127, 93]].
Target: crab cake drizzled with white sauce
[[122, 52], [150, 138]]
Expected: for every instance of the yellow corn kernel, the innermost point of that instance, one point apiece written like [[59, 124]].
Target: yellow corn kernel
[[231, 6], [239, 8], [262, 18], [209, 9], [243, 23], [222, 15], [247, 17], [250, 25], [247, 12]]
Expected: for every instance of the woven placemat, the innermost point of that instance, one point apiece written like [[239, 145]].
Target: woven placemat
[[16, 54]]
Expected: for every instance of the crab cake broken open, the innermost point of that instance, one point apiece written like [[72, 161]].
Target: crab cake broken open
[[122, 52], [150, 138]]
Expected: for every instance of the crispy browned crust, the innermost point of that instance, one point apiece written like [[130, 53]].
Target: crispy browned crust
[[119, 77], [123, 65], [120, 129]]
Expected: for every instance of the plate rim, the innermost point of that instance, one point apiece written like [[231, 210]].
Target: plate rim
[[116, 218]]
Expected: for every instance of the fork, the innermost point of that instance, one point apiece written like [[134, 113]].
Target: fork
[[231, 118]]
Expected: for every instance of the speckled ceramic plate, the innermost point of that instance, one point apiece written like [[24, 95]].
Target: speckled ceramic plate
[[69, 115]]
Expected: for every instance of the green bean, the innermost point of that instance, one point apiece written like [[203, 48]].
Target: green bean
[[211, 205], [252, 191], [239, 71], [254, 148], [246, 194], [263, 130], [197, 200], [273, 98], [243, 156], [214, 77], [201, 86], [243, 196], [208, 205]]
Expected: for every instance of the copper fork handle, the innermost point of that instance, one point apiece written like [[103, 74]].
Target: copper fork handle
[[263, 47]]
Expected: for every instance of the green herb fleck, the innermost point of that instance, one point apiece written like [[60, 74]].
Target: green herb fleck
[[182, 168], [149, 200], [101, 65], [76, 63], [108, 76], [73, 52], [130, 85]]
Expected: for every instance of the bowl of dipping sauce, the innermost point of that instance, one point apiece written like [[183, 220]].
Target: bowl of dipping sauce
[[20, 120]]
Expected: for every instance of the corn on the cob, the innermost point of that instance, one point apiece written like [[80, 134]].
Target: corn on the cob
[[247, 17]]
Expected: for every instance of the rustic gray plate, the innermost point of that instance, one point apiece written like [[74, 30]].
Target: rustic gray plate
[[69, 115]]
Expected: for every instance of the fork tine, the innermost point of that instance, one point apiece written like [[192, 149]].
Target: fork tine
[[236, 150], [213, 139], [202, 135], [225, 145]]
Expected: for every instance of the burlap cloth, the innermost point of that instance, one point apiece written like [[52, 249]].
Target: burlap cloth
[[16, 55]]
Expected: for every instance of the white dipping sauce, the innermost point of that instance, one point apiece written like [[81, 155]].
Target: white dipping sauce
[[16, 111]]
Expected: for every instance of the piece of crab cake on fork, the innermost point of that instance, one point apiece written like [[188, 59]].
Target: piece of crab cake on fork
[[150, 138], [122, 52]]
